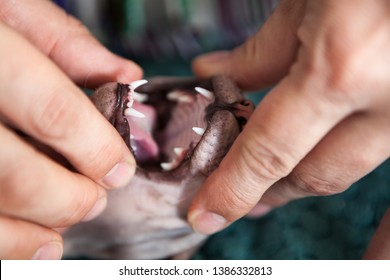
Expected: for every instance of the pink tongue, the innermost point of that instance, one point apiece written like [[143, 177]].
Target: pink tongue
[[142, 142]]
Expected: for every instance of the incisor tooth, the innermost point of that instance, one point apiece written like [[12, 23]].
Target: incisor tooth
[[198, 130], [167, 166], [130, 104], [173, 95], [134, 113], [185, 99], [180, 97], [135, 84], [178, 151], [139, 97], [206, 93]]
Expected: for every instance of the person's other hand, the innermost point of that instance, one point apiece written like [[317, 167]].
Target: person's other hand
[[322, 127], [43, 53]]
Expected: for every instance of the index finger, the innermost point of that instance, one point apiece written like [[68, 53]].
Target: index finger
[[67, 42], [41, 101]]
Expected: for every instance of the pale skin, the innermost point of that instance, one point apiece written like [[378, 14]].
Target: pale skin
[[45, 55], [325, 123]]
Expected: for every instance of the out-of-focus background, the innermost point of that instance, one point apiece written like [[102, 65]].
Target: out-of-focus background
[[170, 28], [163, 36]]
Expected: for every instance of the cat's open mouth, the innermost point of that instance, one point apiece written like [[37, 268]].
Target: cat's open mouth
[[168, 121], [179, 130]]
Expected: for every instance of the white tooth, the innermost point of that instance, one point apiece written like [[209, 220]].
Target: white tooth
[[185, 99], [139, 97], [180, 97], [134, 113], [198, 130], [135, 84], [178, 151], [174, 95], [167, 166], [206, 93], [132, 136], [130, 104]]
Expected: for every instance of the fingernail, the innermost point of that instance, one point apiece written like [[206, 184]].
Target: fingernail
[[119, 176], [259, 210], [213, 63], [215, 57], [49, 251], [61, 230], [207, 222], [96, 210]]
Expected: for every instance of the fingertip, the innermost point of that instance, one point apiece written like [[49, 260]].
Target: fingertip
[[209, 212], [52, 250], [259, 210], [225, 197], [212, 63], [96, 210], [206, 222], [128, 70], [51, 246], [120, 175], [237, 64], [110, 68], [20, 240]]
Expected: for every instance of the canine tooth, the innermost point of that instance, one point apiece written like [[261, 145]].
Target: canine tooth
[[167, 166], [206, 93], [139, 97], [198, 130], [134, 113], [135, 84]]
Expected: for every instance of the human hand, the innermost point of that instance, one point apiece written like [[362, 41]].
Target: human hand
[[43, 52], [322, 127]]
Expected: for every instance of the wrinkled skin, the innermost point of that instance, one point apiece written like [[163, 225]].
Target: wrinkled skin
[[147, 219]]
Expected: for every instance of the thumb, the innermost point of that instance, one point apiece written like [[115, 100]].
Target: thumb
[[265, 57]]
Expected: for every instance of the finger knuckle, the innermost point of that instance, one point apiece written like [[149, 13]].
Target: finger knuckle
[[344, 77], [312, 184], [56, 41], [238, 201], [16, 191], [107, 150], [57, 118], [75, 25], [341, 65], [265, 161]]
